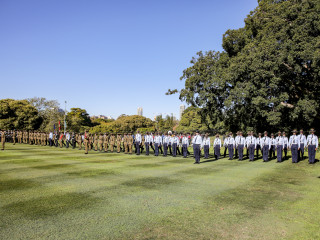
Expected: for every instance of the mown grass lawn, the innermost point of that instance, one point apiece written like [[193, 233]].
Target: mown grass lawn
[[53, 193]]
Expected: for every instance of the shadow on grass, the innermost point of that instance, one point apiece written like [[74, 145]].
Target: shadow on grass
[[53, 166], [17, 184], [150, 182], [92, 173], [209, 160], [51, 205]]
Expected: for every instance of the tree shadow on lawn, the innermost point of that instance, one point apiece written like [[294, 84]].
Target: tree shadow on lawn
[[51, 205]]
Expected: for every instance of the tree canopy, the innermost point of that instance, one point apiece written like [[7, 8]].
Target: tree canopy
[[124, 124], [49, 111], [18, 114], [267, 77], [78, 120]]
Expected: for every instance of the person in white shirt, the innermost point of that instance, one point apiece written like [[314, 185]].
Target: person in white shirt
[[165, 144], [217, 146], [157, 144], [185, 145], [138, 140], [258, 145], [236, 146], [170, 143], [294, 145], [196, 142], [231, 145], [160, 147], [272, 150], [240, 143], [206, 146], [67, 139], [303, 145], [312, 143], [174, 143], [251, 145], [286, 145], [266, 144], [279, 146], [147, 139], [50, 139], [225, 144]]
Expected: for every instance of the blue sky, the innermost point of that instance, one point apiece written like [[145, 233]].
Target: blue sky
[[108, 57]]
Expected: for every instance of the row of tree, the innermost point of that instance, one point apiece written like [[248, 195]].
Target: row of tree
[[44, 115]]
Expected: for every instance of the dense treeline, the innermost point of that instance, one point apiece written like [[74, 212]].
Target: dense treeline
[[267, 77], [44, 115]]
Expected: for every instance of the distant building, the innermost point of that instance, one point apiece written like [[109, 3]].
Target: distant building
[[101, 117], [182, 108], [140, 111]]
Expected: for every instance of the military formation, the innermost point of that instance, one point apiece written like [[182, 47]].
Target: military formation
[[275, 146]]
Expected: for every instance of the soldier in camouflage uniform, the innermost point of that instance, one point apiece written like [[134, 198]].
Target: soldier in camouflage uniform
[[119, 141], [130, 142]]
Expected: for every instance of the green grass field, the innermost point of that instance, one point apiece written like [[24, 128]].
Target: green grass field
[[53, 193]]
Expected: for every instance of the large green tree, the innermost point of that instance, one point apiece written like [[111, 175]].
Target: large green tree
[[49, 111], [267, 77], [18, 114], [78, 120]]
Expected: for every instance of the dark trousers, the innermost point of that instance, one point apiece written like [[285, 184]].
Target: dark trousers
[[285, 150], [160, 148], [156, 151], [272, 152], [251, 152], [151, 145], [217, 151], [265, 151], [230, 150], [178, 150], [196, 151], [170, 149], [165, 149], [67, 144], [258, 147], [294, 153], [174, 149], [301, 152], [50, 142], [236, 153], [147, 148], [312, 153], [240, 151], [206, 151], [225, 151], [185, 150], [279, 153], [138, 148]]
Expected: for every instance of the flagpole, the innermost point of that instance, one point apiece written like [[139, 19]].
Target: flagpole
[[65, 112]]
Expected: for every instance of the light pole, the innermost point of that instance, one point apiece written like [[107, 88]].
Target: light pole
[[65, 112]]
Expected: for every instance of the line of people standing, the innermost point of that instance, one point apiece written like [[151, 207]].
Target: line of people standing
[[178, 144]]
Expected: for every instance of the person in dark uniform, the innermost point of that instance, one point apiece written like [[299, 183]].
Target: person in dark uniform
[[294, 145], [312, 143], [266, 144], [217, 147], [231, 145], [303, 145], [196, 142], [279, 146], [272, 151], [258, 145]]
